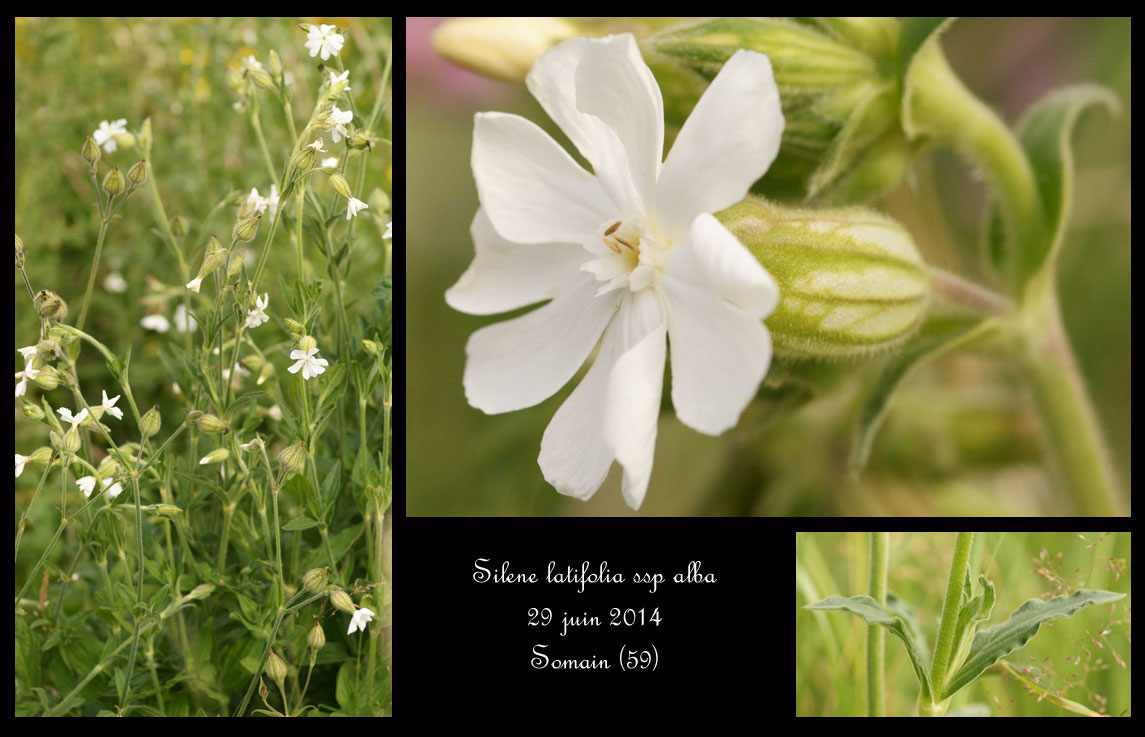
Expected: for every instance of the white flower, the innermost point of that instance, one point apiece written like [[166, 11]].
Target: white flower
[[340, 118], [359, 620], [275, 413], [115, 283], [316, 146], [343, 77], [183, 322], [23, 376], [330, 163], [158, 323], [389, 230], [194, 284], [354, 206], [115, 489], [306, 361], [628, 255], [86, 484], [251, 63], [272, 200], [325, 40], [259, 202], [109, 406], [66, 415], [20, 460], [105, 135], [27, 352], [258, 316]]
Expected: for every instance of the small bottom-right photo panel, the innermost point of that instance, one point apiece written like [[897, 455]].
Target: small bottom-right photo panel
[[984, 624]]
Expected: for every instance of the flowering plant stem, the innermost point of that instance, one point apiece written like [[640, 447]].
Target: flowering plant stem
[[944, 645], [877, 636]]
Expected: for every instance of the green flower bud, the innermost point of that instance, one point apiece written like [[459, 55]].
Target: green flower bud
[[47, 378], [839, 94], [178, 226], [276, 668], [91, 151], [138, 173], [315, 579], [215, 456], [267, 371], [61, 335], [499, 47], [48, 349], [261, 79], [19, 252], [212, 425], [150, 422], [167, 510], [294, 327], [292, 457], [245, 230], [145, 137], [316, 637], [50, 305], [108, 467], [275, 64], [361, 140], [851, 281], [202, 591], [33, 412], [253, 362], [341, 601], [338, 182], [41, 456], [372, 348], [71, 441], [114, 182], [304, 159], [235, 261], [306, 343]]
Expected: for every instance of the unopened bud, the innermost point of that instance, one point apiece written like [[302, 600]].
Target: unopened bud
[[850, 280], [265, 373], [202, 591], [114, 182], [307, 343], [235, 261], [138, 173], [261, 79], [46, 378], [71, 442], [33, 412], [50, 305], [253, 362], [245, 230], [178, 226], [150, 422], [502, 48], [340, 185], [316, 638], [108, 467], [292, 457], [276, 668], [275, 63], [91, 152], [315, 579], [215, 456], [304, 159], [294, 327], [361, 139], [212, 424], [372, 348], [341, 601], [41, 456]]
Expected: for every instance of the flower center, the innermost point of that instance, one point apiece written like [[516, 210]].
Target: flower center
[[627, 254]]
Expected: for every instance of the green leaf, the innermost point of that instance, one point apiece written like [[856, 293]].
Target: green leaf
[[300, 523], [894, 371], [973, 610], [1044, 133], [330, 486], [872, 613], [347, 691], [1001, 640], [27, 654]]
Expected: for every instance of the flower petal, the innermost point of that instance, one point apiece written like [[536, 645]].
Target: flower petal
[[531, 189], [506, 275], [720, 355], [518, 363], [715, 259], [727, 143], [634, 387]]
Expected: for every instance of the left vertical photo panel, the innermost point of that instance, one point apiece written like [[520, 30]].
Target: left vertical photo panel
[[203, 366]]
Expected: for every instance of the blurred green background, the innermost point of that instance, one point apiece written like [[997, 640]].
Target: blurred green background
[[830, 647], [959, 439], [72, 73]]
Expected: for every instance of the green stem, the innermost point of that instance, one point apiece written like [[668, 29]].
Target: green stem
[[944, 646], [877, 636], [1070, 427]]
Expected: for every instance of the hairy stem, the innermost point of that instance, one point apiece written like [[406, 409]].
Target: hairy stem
[[877, 636]]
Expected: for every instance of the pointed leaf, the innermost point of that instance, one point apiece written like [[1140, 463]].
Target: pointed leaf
[[1003, 639], [869, 610]]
